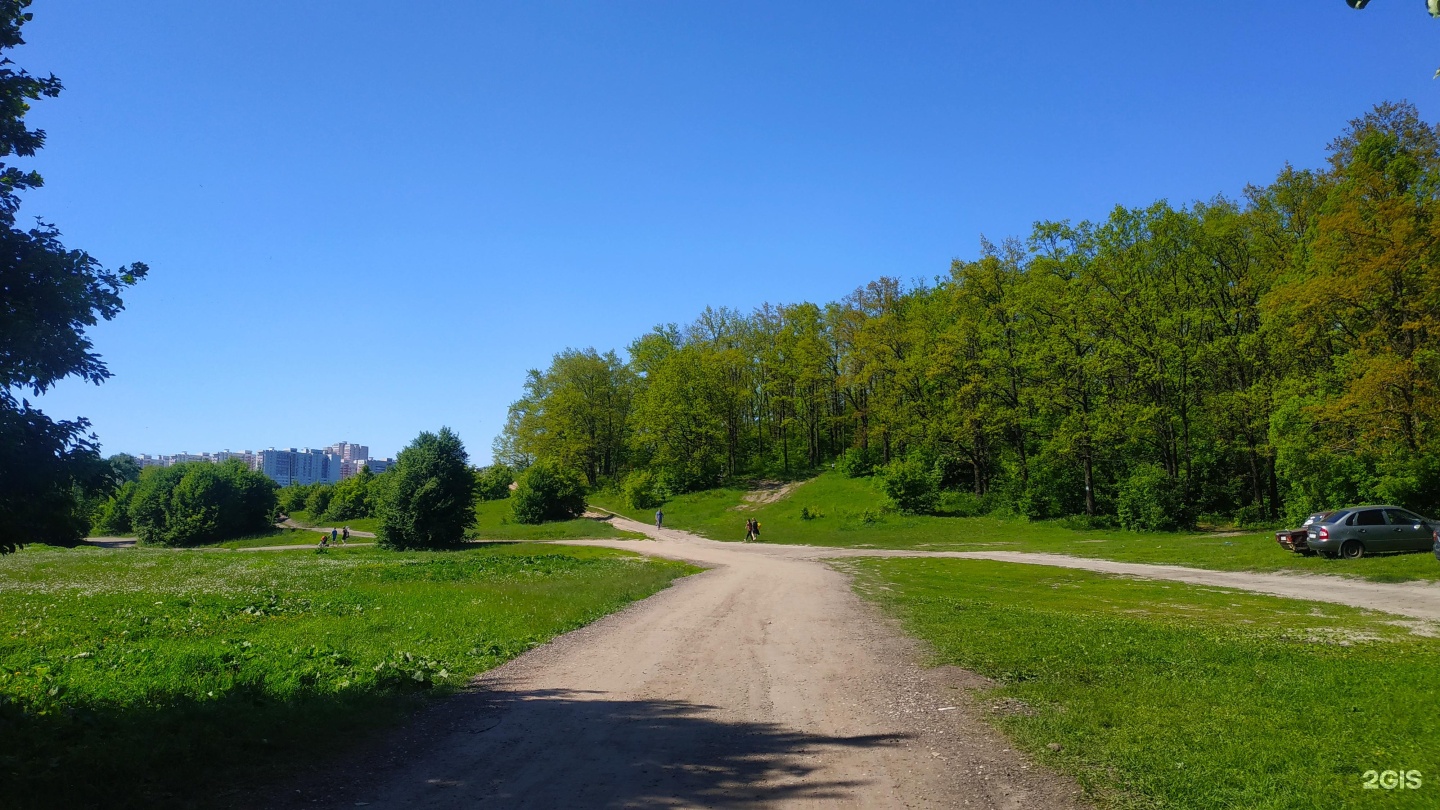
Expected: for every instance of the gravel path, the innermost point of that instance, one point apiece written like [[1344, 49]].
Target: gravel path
[[763, 682]]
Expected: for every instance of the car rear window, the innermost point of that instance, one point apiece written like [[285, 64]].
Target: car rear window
[[1334, 517], [1370, 517]]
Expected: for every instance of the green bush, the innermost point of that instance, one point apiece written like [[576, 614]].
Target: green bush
[[966, 504], [493, 483], [201, 502], [352, 498], [858, 462], [292, 498], [427, 500], [810, 513], [645, 490], [913, 484], [319, 500], [112, 517], [954, 472], [1150, 500], [1253, 516], [546, 491]]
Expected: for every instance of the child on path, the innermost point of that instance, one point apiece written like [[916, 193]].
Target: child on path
[[333, 534]]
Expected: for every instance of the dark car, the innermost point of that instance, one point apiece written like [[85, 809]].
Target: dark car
[[1359, 530], [1437, 543], [1297, 540]]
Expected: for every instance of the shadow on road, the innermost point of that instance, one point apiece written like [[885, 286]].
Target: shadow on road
[[552, 748]]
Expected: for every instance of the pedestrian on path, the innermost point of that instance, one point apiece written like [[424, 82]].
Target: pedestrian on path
[[749, 529], [659, 517], [756, 531], [333, 535], [345, 537]]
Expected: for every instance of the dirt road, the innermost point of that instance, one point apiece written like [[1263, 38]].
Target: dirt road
[[762, 682]]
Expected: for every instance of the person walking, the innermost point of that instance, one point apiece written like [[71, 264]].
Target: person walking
[[659, 517], [749, 529], [756, 532], [345, 537], [333, 535]]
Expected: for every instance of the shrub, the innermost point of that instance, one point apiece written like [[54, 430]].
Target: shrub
[[954, 472], [292, 498], [1253, 516], [546, 491], [858, 462], [645, 490], [351, 498], [1150, 500], [810, 513], [493, 483], [913, 485], [966, 504], [113, 516], [428, 499], [201, 502], [319, 500]]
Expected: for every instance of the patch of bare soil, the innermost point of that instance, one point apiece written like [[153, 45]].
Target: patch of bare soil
[[766, 492]]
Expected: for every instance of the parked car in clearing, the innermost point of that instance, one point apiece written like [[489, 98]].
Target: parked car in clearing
[[1359, 530], [1297, 540]]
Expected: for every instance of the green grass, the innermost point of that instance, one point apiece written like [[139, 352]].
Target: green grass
[[303, 518], [853, 513], [494, 521], [1167, 695], [149, 677]]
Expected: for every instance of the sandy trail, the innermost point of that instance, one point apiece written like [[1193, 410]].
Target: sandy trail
[[764, 681]]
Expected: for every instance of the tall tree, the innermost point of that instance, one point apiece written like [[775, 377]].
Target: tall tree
[[427, 500], [52, 294]]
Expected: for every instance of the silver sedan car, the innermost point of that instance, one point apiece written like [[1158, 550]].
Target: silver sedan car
[[1356, 531]]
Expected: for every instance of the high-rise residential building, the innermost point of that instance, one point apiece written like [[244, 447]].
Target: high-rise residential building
[[299, 466], [330, 465], [348, 451]]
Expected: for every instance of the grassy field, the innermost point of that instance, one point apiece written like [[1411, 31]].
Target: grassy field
[[1167, 695], [303, 518], [174, 678], [852, 512], [493, 521]]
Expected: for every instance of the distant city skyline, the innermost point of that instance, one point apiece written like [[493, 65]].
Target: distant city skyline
[[285, 465]]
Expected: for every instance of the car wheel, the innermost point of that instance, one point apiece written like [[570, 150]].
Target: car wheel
[[1352, 550]]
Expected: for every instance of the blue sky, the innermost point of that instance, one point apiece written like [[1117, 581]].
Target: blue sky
[[368, 219]]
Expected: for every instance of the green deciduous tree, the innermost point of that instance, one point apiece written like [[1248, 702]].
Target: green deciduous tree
[[427, 500], [1246, 358], [51, 295]]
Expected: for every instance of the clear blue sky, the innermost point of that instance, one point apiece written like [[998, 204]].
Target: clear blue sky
[[367, 219]]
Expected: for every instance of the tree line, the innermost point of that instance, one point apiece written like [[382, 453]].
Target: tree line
[[1253, 359]]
